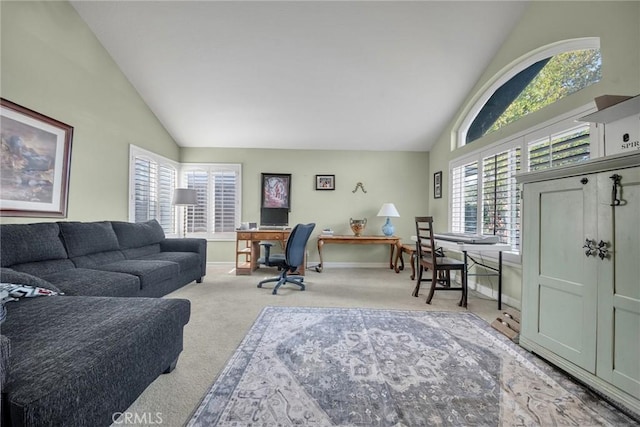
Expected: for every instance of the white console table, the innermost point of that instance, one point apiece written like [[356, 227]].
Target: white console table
[[477, 248]]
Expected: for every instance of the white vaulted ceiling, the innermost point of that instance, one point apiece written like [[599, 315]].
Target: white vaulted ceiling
[[303, 74]]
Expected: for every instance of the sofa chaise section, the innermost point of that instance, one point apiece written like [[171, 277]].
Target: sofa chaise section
[[78, 360]]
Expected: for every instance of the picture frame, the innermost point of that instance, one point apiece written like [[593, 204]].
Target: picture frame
[[276, 190], [437, 185], [34, 163], [325, 182]]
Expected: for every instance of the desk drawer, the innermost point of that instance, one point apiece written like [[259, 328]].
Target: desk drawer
[[244, 236], [268, 236]]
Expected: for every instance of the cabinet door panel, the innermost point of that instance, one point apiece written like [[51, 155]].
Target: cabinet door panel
[[619, 282], [559, 298]]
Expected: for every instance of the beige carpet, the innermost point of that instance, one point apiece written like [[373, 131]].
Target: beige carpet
[[224, 307]]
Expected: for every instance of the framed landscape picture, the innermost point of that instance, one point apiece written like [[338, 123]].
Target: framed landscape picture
[[34, 163]]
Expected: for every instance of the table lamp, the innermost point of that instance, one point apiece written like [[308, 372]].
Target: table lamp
[[388, 210], [185, 197]]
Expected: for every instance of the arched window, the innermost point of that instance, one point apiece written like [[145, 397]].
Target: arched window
[[535, 81]]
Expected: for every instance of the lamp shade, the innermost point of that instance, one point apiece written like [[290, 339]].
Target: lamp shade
[[185, 196], [388, 209]]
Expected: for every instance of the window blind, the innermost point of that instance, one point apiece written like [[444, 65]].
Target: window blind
[[500, 196], [154, 181], [560, 149], [464, 198], [218, 189]]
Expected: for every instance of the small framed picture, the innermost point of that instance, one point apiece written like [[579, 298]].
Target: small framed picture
[[325, 182], [437, 185]]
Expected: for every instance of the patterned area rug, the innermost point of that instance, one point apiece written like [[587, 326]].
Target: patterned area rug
[[365, 367]]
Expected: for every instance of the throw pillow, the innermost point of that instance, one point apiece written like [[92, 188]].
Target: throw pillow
[[25, 291], [8, 275]]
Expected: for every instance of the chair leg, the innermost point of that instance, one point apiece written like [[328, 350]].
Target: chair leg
[[417, 288], [463, 298], [413, 265], [434, 282], [273, 279]]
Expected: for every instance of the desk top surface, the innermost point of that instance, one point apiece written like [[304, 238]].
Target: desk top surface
[[356, 238], [470, 247]]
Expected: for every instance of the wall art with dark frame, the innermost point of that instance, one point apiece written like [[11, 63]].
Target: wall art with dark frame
[[275, 202], [437, 185], [276, 190], [34, 163], [325, 182]]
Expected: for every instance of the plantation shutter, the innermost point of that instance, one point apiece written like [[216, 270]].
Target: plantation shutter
[[153, 192], [218, 192], [500, 196], [167, 177], [146, 173], [197, 217], [225, 196], [464, 198], [560, 149]]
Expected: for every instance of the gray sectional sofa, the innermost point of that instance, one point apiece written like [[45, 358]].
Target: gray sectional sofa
[[82, 357]]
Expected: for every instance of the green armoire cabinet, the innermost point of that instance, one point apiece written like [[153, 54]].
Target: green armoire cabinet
[[581, 272]]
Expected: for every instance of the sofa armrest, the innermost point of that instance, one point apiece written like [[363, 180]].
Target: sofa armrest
[[188, 244]]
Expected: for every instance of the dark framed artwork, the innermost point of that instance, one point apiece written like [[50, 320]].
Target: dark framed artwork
[[276, 190], [325, 182], [34, 163], [437, 185]]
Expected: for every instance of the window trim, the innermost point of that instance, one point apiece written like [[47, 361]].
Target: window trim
[[520, 139], [506, 73]]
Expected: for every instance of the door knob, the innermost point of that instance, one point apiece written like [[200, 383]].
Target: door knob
[[590, 246], [603, 249]]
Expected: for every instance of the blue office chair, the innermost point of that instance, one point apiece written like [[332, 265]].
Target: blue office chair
[[292, 258]]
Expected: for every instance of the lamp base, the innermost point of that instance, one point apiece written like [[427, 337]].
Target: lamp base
[[388, 228]]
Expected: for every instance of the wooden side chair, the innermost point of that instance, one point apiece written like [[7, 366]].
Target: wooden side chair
[[428, 259]]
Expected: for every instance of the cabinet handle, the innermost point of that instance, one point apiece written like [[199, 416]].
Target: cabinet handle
[[615, 201], [590, 246], [603, 249]]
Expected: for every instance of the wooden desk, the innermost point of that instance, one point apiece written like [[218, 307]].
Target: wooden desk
[[392, 241], [248, 248]]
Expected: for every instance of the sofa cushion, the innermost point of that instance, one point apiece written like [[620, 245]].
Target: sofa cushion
[[87, 282], [23, 243], [11, 276], [99, 258], [43, 268], [186, 260], [76, 361], [84, 238], [134, 235], [148, 271], [141, 252]]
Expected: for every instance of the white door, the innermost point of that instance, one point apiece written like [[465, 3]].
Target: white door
[[560, 280], [619, 281]]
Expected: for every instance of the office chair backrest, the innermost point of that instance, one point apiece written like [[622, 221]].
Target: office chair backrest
[[297, 243]]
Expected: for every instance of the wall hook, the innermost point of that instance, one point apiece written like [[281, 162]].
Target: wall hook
[[360, 186]]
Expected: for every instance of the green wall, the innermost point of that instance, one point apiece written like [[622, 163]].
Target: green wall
[[53, 64], [545, 22], [397, 177]]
